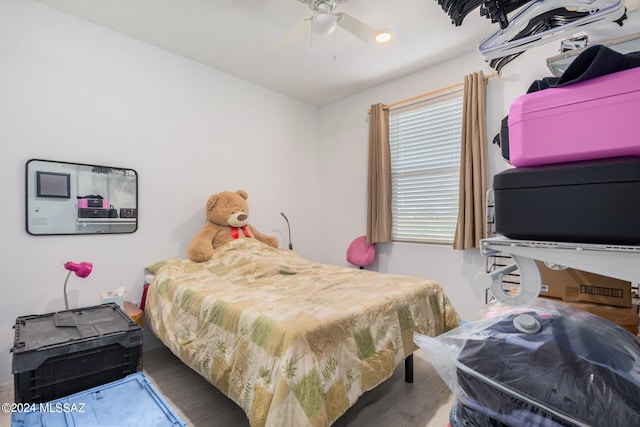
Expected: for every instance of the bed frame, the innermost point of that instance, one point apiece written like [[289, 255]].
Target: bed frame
[[408, 369]]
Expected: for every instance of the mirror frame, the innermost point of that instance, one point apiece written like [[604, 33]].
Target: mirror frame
[[65, 198]]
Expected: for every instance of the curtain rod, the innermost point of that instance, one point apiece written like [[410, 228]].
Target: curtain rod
[[433, 92]]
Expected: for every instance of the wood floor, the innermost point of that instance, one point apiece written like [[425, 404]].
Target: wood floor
[[425, 403], [394, 403]]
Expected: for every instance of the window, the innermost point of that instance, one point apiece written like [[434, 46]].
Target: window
[[425, 163]]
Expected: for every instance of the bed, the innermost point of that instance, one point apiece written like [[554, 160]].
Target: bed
[[291, 341]]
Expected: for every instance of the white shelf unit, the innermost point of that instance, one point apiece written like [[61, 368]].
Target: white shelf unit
[[617, 261], [497, 260], [558, 64], [106, 221]]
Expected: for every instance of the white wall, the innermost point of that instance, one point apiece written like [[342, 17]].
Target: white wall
[[73, 91], [343, 164]]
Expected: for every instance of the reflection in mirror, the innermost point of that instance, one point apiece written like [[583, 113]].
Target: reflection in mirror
[[74, 198]]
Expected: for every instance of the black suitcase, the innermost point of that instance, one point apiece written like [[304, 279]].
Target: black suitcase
[[595, 201]]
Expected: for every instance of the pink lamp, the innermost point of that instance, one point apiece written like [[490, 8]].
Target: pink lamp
[[82, 270]]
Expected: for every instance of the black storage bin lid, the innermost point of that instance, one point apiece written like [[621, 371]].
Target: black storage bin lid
[[620, 169], [38, 337]]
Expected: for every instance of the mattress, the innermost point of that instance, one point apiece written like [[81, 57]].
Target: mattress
[[291, 341]]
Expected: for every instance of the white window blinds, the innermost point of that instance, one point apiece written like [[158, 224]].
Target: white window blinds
[[425, 163]]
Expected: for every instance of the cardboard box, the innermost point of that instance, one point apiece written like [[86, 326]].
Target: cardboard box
[[581, 286], [134, 312], [625, 317]]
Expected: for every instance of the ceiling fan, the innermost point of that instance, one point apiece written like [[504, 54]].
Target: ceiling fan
[[324, 20]]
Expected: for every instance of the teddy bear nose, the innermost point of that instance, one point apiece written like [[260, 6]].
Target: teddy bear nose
[[242, 217]]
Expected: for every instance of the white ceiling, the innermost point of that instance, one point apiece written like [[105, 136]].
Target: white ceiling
[[244, 38]]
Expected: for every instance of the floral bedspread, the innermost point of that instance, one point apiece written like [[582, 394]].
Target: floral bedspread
[[293, 342]]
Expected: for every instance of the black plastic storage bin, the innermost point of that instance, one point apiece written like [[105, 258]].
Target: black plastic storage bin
[[595, 201], [61, 353]]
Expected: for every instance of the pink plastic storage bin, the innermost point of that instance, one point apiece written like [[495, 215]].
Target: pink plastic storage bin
[[593, 119]]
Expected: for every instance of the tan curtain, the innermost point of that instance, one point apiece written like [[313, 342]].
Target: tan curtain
[[473, 164], [379, 181]]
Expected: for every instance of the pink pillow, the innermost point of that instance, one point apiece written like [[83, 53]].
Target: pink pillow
[[360, 252]]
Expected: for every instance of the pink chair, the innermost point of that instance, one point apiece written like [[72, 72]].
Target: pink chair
[[361, 253]]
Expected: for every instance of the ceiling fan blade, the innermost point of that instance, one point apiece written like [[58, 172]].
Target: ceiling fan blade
[[355, 27], [295, 33]]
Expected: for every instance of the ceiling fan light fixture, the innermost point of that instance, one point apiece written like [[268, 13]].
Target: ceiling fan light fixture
[[383, 37], [324, 23]]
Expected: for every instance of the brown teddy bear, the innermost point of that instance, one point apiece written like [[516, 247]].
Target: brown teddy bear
[[227, 219]]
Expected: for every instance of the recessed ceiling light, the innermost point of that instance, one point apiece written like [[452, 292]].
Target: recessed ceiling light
[[383, 37]]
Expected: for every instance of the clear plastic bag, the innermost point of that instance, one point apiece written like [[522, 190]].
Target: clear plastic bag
[[547, 364], [465, 416]]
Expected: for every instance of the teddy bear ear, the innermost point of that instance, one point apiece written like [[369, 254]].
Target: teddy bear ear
[[212, 202], [242, 194]]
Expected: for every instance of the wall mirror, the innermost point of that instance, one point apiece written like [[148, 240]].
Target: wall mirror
[[76, 198]]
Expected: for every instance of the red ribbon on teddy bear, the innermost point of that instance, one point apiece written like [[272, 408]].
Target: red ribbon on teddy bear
[[235, 234]]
